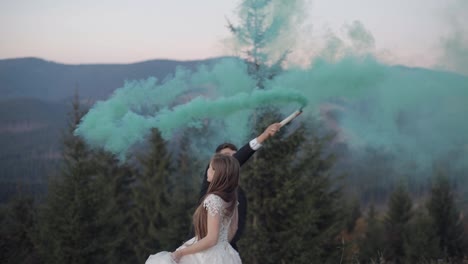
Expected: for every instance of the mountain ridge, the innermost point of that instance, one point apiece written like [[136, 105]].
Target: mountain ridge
[[51, 81]]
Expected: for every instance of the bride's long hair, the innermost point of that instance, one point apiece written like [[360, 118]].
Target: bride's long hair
[[224, 184]]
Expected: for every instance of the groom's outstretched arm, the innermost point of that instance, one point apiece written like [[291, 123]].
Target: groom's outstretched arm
[[244, 153]]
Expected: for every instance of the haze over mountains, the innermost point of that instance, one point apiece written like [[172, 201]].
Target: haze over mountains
[[35, 98], [50, 81]]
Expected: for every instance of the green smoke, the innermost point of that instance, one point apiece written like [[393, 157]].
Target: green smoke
[[267, 29], [128, 115], [455, 45], [417, 115], [168, 120]]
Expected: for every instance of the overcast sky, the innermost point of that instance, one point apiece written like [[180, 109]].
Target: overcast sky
[[123, 31]]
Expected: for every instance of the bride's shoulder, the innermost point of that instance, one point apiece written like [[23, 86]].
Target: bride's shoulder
[[213, 198], [213, 203]]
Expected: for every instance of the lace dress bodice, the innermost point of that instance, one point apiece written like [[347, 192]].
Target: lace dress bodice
[[215, 205]]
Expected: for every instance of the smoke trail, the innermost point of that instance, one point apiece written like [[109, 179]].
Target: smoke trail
[[127, 117], [455, 45], [417, 115], [168, 120]]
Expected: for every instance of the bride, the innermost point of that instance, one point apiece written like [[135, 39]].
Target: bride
[[215, 220]]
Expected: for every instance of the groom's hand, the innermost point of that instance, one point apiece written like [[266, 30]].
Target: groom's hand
[[269, 131], [272, 129]]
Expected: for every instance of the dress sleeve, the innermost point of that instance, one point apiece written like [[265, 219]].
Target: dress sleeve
[[213, 204]]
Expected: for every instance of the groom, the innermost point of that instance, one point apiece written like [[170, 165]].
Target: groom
[[242, 155]]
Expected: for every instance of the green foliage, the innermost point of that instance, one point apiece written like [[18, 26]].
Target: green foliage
[[353, 212], [100, 211], [112, 185], [17, 222], [396, 224], [151, 200], [83, 219], [291, 200], [67, 219], [422, 244], [431, 234], [265, 25], [447, 222], [183, 194], [372, 245]]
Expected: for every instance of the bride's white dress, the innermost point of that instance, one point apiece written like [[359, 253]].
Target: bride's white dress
[[221, 253]]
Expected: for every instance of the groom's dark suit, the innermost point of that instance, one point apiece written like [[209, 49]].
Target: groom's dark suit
[[242, 155]]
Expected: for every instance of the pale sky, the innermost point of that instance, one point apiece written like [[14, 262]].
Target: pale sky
[[124, 31]]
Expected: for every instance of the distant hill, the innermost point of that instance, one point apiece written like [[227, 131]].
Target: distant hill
[[30, 132], [50, 81], [35, 98]]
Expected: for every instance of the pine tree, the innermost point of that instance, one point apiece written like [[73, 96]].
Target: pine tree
[[85, 215], [396, 224], [294, 213], [446, 219], [67, 219], [258, 30], [265, 204], [353, 214], [112, 185], [17, 223], [372, 245], [183, 194], [293, 210], [422, 244], [151, 200], [322, 212]]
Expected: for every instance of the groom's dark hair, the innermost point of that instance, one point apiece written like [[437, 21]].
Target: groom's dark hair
[[226, 145]]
